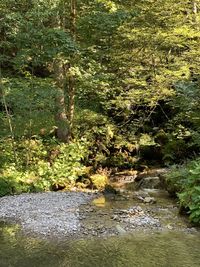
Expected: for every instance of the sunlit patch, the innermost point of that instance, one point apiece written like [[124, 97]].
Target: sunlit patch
[[99, 202]]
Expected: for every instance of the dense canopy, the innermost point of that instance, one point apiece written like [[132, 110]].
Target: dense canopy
[[94, 85]]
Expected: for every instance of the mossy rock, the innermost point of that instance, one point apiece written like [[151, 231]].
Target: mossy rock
[[99, 181]]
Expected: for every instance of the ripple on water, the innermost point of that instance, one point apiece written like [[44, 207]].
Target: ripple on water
[[163, 249]]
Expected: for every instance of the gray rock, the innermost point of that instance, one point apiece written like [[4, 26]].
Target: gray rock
[[120, 229], [149, 200], [150, 182], [143, 221]]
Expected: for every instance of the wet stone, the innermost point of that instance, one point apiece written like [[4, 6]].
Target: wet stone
[[149, 200], [77, 215]]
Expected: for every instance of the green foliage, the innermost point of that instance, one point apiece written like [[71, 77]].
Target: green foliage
[[186, 104], [40, 165], [6, 187], [32, 103], [186, 181], [99, 181], [174, 150], [107, 146], [135, 68]]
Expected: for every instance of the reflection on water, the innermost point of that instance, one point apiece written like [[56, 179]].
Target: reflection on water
[[100, 201], [167, 249]]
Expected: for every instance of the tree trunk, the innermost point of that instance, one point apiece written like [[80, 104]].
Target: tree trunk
[[73, 19], [195, 11], [65, 81], [71, 106], [2, 94], [194, 7], [62, 131], [71, 81]]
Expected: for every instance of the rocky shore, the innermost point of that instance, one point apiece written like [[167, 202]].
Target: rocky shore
[[47, 214], [78, 214]]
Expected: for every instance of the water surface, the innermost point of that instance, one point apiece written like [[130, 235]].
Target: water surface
[[163, 249]]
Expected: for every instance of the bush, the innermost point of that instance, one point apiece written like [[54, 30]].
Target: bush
[[185, 180], [99, 181], [39, 165]]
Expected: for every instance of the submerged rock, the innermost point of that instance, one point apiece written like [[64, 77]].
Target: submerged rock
[[136, 217], [120, 229], [149, 200]]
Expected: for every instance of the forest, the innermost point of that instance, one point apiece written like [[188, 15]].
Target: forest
[[93, 87]]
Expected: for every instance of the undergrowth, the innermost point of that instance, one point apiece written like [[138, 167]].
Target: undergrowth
[[185, 182]]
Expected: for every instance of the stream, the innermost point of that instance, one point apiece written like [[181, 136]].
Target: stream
[[167, 248], [132, 228]]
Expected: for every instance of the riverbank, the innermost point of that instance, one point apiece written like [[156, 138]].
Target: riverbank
[[45, 214], [60, 215]]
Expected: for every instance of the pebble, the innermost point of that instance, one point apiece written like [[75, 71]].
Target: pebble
[[56, 213]]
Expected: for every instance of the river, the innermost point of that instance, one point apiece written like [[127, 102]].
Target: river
[[140, 228], [163, 249]]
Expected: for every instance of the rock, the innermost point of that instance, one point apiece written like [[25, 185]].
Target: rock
[[141, 176], [58, 187], [163, 171], [144, 197], [120, 229], [149, 200], [143, 221], [121, 191], [124, 177], [141, 194], [109, 189], [115, 217], [151, 173], [135, 217], [170, 227], [150, 183], [136, 210]]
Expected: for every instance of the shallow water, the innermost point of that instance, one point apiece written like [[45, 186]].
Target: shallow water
[[163, 249], [175, 244], [104, 208]]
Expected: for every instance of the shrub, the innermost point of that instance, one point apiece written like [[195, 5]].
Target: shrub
[[99, 181], [40, 165], [185, 180]]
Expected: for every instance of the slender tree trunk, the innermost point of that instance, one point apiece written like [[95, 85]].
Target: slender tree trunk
[[71, 81], [194, 7], [61, 119], [65, 81], [71, 106], [8, 118], [195, 12], [73, 19]]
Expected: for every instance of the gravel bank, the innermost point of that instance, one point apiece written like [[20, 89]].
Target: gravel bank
[[78, 215], [47, 214]]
